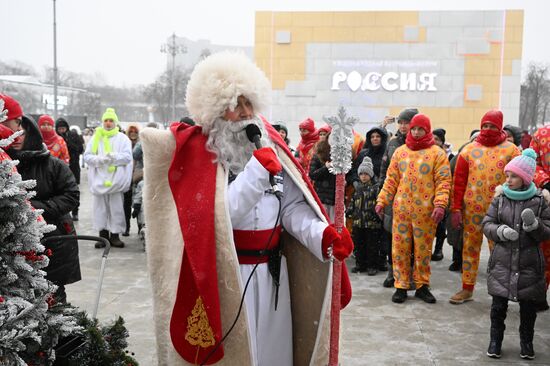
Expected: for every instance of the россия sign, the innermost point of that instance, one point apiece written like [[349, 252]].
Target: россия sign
[[390, 81], [389, 75]]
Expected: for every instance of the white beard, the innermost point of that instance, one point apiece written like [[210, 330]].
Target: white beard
[[228, 140]]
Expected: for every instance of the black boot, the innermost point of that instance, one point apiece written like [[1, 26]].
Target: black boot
[[455, 266], [437, 255], [425, 294], [440, 238], [115, 241], [528, 316], [495, 345], [389, 281], [102, 234], [399, 296], [499, 308]]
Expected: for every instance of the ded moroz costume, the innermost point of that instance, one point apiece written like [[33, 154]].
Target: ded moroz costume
[[211, 213]]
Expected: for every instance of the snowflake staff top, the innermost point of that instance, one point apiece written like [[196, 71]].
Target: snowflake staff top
[[341, 140]]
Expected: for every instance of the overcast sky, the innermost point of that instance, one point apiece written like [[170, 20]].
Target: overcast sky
[[121, 38]]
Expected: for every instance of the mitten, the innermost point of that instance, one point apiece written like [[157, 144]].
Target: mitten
[[506, 233], [104, 160], [379, 209], [456, 219], [267, 157], [342, 245], [438, 214], [530, 222]]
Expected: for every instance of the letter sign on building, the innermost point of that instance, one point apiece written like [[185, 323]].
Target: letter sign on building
[[390, 81]]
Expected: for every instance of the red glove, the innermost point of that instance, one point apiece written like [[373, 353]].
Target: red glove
[[342, 245], [379, 209], [266, 156], [438, 214], [456, 219]]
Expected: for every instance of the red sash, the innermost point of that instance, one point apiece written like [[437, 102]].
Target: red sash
[[195, 326], [255, 240]]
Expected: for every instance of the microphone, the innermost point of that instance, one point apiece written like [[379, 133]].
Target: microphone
[[254, 134]]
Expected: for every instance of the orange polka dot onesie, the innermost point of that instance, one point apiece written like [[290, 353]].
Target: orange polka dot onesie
[[541, 144], [479, 170], [417, 181]]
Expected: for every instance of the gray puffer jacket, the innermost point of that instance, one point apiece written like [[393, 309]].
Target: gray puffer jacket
[[516, 268]]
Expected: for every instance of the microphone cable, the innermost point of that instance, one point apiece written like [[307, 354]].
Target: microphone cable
[[246, 287]]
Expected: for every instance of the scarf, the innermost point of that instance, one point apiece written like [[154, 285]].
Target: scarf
[[104, 135], [308, 141], [491, 138], [519, 195], [50, 138], [421, 143]]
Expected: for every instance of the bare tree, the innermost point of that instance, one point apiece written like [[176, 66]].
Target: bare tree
[[535, 97], [159, 93], [16, 68]]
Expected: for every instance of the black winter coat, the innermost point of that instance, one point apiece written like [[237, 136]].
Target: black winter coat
[[516, 269], [324, 181], [75, 145], [362, 204], [375, 153], [57, 194]]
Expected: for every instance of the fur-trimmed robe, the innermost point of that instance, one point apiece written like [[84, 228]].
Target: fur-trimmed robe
[[310, 279]]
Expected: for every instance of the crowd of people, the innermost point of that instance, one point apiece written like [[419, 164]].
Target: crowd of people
[[403, 192], [410, 189]]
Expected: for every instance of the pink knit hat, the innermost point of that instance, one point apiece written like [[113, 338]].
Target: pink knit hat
[[523, 166]]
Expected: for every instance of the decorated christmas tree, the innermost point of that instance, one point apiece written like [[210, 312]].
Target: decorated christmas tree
[[30, 322], [101, 344]]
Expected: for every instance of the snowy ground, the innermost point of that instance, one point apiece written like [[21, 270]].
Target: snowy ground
[[375, 331]]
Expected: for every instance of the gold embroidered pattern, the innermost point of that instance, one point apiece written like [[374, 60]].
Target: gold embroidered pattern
[[199, 332]]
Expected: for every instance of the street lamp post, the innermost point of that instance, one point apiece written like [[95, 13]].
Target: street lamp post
[[173, 49], [54, 63]]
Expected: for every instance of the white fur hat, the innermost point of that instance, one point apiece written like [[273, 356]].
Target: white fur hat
[[217, 82]]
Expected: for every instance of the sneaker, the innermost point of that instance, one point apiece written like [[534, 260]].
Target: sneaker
[[372, 271], [126, 233], [437, 256], [527, 351], [494, 349], [455, 267], [358, 269], [461, 297], [424, 293], [399, 296]]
